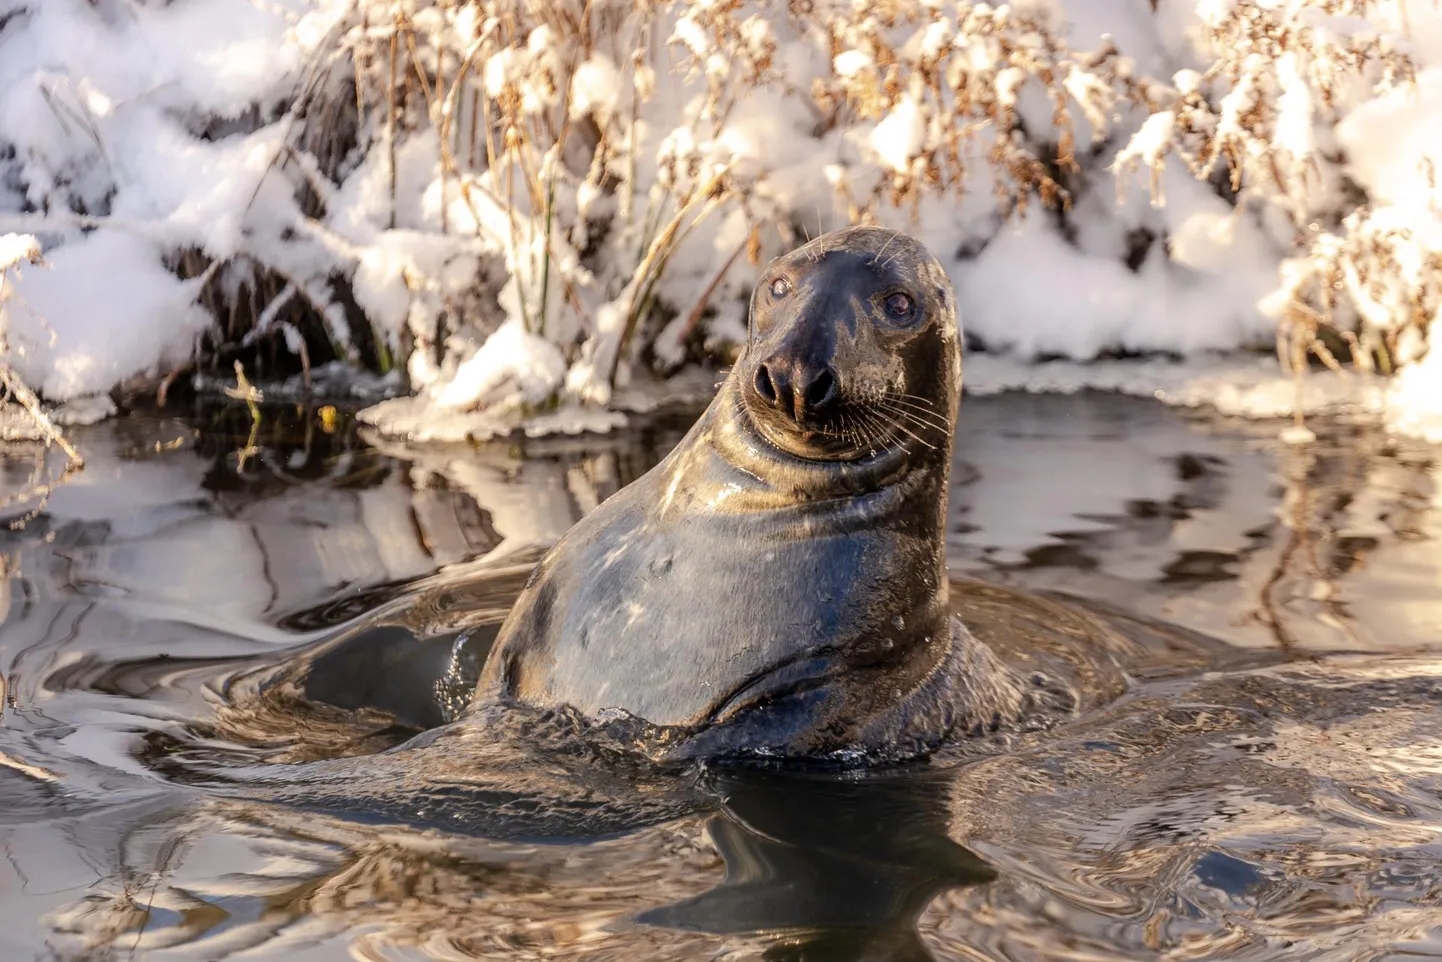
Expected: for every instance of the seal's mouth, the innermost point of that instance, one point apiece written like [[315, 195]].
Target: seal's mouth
[[811, 440], [853, 430]]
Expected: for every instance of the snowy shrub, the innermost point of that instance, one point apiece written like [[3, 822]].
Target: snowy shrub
[[1264, 114], [521, 208]]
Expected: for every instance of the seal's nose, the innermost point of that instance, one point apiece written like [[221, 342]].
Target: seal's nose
[[803, 392]]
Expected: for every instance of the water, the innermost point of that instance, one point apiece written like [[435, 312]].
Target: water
[[183, 612]]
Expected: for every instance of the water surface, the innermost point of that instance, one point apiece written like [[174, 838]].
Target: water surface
[[1279, 804]]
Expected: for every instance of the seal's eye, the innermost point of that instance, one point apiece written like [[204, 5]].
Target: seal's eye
[[898, 305], [780, 287]]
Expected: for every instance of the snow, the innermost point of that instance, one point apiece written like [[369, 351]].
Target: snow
[[1414, 404], [18, 249], [1032, 292], [899, 137], [513, 367], [132, 132], [104, 286], [849, 63]]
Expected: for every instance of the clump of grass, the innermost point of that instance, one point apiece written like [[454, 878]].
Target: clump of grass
[[15, 250]]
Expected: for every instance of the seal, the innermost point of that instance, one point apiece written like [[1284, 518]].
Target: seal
[[777, 585]]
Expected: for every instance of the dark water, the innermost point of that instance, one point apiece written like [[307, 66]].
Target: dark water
[[184, 612]]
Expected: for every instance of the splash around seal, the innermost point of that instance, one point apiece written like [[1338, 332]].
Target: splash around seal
[[777, 585]]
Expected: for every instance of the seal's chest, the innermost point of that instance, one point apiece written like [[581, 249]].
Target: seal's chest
[[720, 585], [665, 625]]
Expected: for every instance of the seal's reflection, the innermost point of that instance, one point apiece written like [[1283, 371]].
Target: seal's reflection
[[829, 867]]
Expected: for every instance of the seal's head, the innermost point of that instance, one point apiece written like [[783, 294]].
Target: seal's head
[[853, 347]]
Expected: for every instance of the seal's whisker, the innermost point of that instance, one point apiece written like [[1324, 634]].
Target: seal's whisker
[[878, 430], [919, 439], [855, 434], [910, 417], [912, 406], [738, 408], [879, 424], [928, 418], [917, 422], [903, 418], [877, 257], [929, 402], [894, 236], [902, 423], [868, 427], [925, 413], [863, 436]]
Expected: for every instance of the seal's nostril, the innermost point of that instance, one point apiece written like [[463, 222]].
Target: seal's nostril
[[764, 385], [821, 391]]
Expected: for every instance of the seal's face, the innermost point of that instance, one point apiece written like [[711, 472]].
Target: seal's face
[[852, 349]]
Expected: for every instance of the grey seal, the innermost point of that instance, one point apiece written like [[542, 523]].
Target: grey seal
[[777, 585]]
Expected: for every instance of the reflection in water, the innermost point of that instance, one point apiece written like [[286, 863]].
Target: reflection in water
[[827, 868], [814, 868], [175, 605], [1213, 525]]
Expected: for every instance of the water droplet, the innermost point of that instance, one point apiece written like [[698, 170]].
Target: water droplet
[[898, 622], [887, 644]]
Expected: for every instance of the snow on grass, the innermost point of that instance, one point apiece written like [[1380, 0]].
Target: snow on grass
[[536, 221]]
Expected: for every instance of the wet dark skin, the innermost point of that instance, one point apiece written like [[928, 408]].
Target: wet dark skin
[[777, 585]]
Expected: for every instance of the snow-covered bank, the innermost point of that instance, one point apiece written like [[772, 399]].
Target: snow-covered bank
[[533, 209]]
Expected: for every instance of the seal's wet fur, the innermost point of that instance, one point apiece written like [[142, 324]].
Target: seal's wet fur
[[777, 585]]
